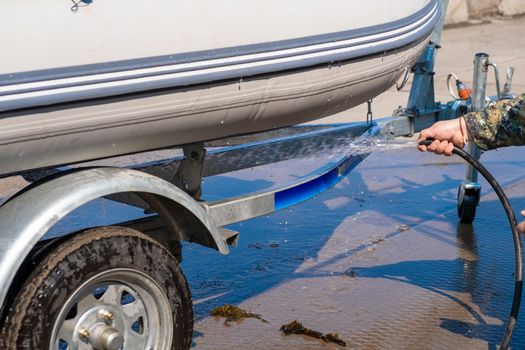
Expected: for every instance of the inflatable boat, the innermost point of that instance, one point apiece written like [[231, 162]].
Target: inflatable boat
[[84, 80]]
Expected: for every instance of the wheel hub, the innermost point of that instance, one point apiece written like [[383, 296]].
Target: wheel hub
[[109, 314], [103, 337], [98, 328]]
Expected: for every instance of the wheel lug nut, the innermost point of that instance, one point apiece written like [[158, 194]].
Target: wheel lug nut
[[105, 315], [83, 334]]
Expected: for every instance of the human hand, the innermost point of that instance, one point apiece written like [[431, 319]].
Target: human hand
[[521, 225], [446, 135]]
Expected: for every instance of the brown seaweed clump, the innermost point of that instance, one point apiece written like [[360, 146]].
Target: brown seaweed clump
[[234, 313], [296, 327]]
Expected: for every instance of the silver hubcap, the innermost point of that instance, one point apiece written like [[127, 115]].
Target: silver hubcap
[[116, 309]]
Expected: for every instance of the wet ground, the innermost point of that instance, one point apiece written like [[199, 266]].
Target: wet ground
[[380, 259]]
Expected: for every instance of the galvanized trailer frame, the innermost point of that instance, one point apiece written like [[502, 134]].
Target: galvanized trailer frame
[[171, 188]]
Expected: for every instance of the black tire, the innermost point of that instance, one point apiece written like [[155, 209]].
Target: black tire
[[467, 208], [37, 307]]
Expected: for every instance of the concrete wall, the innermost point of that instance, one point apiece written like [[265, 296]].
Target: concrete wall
[[479, 8], [512, 7], [460, 11]]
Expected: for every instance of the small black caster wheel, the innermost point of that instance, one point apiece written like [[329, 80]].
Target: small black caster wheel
[[467, 207]]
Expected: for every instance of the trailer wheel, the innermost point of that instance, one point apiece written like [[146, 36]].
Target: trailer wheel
[[107, 288]]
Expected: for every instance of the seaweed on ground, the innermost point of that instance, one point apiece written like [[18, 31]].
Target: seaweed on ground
[[234, 313], [296, 327]]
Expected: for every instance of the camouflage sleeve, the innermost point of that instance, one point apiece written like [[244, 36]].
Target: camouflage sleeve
[[500, 124]]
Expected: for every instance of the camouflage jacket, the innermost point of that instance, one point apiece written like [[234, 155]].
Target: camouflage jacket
[[500, 124]]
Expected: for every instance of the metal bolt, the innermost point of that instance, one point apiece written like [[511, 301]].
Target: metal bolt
[[105, 315], [83, 334]]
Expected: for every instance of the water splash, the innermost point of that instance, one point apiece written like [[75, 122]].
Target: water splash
[[375, 144]]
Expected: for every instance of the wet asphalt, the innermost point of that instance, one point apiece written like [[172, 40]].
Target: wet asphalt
[[379, 259]]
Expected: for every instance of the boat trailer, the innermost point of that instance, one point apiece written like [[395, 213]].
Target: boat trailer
[[130, 276]]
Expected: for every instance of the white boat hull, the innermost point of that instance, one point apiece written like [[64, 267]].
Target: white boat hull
[[52, 115]]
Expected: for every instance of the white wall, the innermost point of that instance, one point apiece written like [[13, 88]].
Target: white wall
[[512, 7], [460, 11]]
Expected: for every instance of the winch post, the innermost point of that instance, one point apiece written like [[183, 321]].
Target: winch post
[[422, 108], [421, 100]]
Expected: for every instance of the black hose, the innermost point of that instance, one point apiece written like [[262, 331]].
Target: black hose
[[518, 249]]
